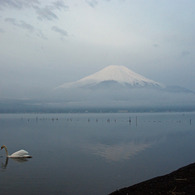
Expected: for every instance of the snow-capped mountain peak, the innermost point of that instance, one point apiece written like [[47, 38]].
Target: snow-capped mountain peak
[[115, 73]]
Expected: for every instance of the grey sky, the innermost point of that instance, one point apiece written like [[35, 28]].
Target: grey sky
[[45, 43]]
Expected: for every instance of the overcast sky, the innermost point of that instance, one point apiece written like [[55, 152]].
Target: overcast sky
[[44, 43]]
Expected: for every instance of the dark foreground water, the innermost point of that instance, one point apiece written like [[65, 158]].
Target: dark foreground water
[[92, 154]]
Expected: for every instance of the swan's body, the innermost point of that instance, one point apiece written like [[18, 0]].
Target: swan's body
[[18, 154]]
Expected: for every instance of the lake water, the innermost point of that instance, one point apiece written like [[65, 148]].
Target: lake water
[[92, 154]]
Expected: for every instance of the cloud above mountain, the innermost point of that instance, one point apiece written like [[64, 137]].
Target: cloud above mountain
[[43, 12], [18, 4], [60, 31], [21, 24], [46, 11], [92, 3]]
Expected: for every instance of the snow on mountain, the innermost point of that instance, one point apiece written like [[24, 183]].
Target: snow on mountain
[[118, 86], [116, 74]]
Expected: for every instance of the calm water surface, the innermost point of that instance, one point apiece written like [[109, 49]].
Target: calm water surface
[[92, 154]]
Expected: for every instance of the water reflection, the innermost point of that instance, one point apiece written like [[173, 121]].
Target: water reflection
[[4, 165], [118, 152], [19, 160], [93, 150]]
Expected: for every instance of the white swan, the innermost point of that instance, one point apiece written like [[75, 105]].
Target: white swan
[[18, 154]]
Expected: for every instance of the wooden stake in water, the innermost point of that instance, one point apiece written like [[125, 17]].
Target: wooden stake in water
[[129, 120]]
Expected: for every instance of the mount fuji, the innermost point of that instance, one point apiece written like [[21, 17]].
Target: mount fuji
[[118, 86], [113, 76], [112, 88]]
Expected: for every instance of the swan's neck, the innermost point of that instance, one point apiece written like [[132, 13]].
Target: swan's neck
[[6, 151]]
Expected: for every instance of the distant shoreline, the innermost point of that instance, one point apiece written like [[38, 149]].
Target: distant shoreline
[[38, 106], [10, 108], [181, 181]]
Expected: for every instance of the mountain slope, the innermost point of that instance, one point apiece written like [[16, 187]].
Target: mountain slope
[[117, 86], [113, 75]]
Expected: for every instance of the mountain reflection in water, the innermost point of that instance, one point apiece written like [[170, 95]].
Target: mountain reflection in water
[[118, 152]]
